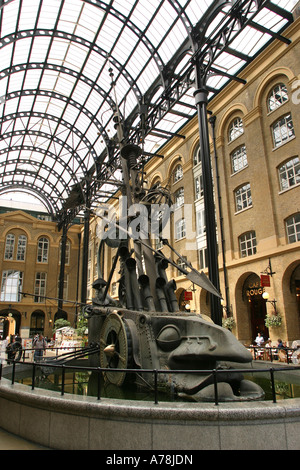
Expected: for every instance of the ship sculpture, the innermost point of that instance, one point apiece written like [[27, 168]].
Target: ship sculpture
[[144, 329]]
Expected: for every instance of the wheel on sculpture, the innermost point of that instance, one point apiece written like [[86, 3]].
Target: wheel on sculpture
[[115, 348]]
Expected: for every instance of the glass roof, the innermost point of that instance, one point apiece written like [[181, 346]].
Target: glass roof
[[67, 64]]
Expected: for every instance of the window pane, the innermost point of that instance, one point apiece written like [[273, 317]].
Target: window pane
[[22, 241], [247, 244], [11, 286], [243, 197], [9, 246], [277, 97], [289, 174], [283, 130], [235, 129], [239, 159], [293, 228]]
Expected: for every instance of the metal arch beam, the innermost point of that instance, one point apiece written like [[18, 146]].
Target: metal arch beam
[[92, 47], [59, 96], [60, 69], [32, 148], [7, 188], [69, 127], [18, 185], [63, 144], [137, 31]]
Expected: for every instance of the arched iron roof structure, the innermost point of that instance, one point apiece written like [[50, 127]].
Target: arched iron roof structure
[[67, 64]]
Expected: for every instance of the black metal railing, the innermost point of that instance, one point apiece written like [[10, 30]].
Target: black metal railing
[[155, 372]]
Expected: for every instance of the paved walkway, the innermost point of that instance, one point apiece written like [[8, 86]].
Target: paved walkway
[[10, 441]]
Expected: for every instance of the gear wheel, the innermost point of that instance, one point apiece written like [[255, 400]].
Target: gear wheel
[[115, 348]]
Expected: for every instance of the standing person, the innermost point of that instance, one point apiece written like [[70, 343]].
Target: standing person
[[39, 344], [259, 340]]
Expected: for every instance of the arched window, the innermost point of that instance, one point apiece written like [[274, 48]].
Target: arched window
[[247, 244], [179, 198], [277, 97], [289, 173], [292, 225], [197, 156], [43, 250], [239, 159], [243, 198], [178, 173], [21, 250], [283, 130], [236, 128], [9, 246]]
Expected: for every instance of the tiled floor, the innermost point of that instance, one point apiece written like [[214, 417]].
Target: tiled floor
[[9, 441]]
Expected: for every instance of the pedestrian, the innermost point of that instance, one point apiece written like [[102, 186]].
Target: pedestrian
[[39, 344]]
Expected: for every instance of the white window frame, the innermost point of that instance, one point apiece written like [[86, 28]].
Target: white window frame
[[40, 286], [247, 244], [243, 198], [235, 129], [21, 249], [239, 159], [180, 229], [43, 250], [277, 97], [9, 246], [11, 286], [292, 226], [283, 130], [289, 174]]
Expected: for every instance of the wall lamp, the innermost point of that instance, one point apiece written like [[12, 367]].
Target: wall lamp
[[266, 296]]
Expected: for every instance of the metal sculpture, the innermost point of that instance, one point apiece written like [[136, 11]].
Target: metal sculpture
[[145, 329]]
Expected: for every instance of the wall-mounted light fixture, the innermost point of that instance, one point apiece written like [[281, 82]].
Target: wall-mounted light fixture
[[266, 296]]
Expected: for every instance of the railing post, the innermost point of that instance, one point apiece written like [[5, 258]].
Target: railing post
[[63, 380], [33, 377], [155, 387], [273, 385], [13, 372], [99, 383], [216, 387]]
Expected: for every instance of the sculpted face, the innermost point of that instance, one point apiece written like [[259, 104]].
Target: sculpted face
[[170, 342]]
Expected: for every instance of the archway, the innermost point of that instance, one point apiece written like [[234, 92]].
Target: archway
[[5, 327], [252, 292], [37, 323]]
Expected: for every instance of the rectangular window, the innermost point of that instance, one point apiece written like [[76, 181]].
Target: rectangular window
[[9, 246], [40, 287], [239, 159], [203, 258], [22, 241], [180, 229], [11, 286], [200, 222], [289, 174], [247, 244], [293, 228], [243, 197], [283, 130]]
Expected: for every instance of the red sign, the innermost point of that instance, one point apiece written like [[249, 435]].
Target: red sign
[[188, 295], [265, 280]]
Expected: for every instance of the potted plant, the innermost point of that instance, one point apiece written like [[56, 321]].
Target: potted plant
[[228, 323], [273, 321]]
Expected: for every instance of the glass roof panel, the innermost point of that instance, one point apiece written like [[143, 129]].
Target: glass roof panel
[[66, 65]]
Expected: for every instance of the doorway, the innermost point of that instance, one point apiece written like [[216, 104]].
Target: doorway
[[258, 313]]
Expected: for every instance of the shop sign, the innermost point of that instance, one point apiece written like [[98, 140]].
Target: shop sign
[[265, 280], [188, 295], [254, 288]]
